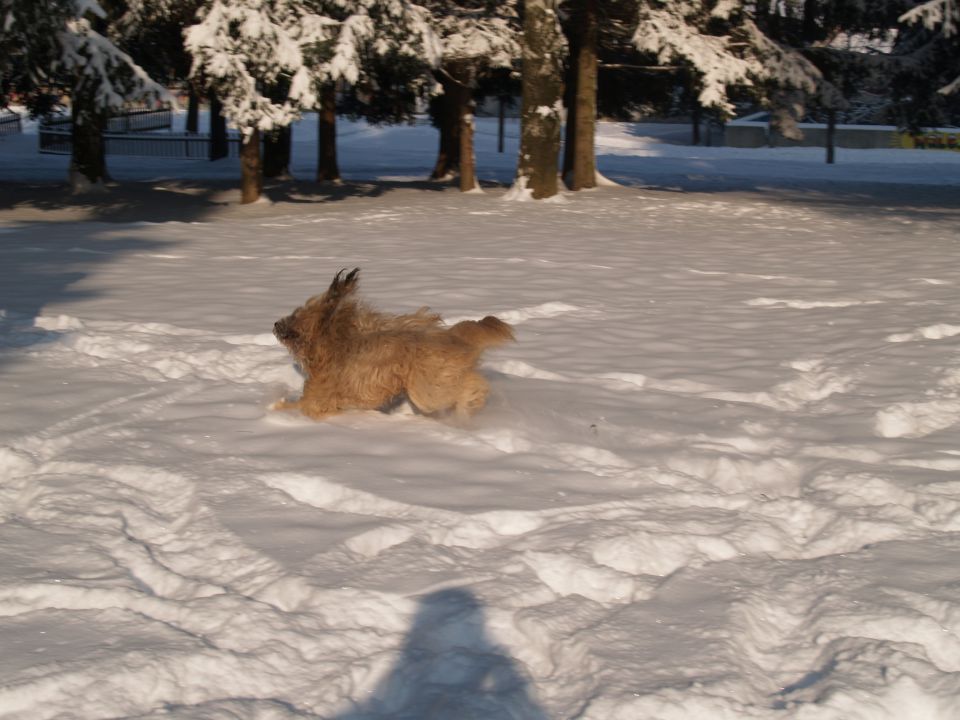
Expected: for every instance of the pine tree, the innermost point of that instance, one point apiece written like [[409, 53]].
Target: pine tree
[[722, 47], [71, 39], [476, 36], [943, 15], [373, 40], [244, 51], [582, 29], [542, 102]]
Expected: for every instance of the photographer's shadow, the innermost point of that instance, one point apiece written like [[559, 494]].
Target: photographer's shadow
[[450, 670]]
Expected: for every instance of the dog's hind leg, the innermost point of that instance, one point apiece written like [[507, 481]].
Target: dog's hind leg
[[473, 395]]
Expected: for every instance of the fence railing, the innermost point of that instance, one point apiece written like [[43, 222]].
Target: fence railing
[[141, 120], [57, 141], [10, 123]]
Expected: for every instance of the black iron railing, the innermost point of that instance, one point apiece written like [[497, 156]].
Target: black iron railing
[[10, 122], [57, 140]]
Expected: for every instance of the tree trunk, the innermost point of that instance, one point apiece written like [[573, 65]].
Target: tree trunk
[[570, 102], [810, 30], [831, 135], [468, 165], [462, 76], [218, 130], [501, 123], [276, 143], [448, 123], [542, 90], [251, 172], [193, 111], [88, 162], [276, 153], [327, 169], [696, 117], [585, 107]]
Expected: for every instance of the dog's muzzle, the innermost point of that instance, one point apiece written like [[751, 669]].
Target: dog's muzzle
[[282, 330]]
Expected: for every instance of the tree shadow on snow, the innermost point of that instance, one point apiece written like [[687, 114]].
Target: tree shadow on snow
[[845, 199], [187, 200], [41, 265], [450, 670]]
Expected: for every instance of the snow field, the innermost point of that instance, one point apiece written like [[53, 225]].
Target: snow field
[[717, 477]]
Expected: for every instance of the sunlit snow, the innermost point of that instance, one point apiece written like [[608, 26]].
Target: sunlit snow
[[718, 476]]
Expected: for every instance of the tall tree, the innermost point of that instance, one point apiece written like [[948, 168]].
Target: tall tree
[[722, 47], [476, 36], [244, 50], [383, 49], [943, 15], [542, 102], [71, 40], [579, 165]]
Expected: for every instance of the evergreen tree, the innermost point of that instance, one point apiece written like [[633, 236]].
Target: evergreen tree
[[579, 167], [722, 48], [942, 15], [70, 40], [244, 50], [383, 49], [477, 36], [152, 32], [542, 102]]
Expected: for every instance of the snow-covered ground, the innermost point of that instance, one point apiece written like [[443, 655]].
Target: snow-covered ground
[[718, 477]]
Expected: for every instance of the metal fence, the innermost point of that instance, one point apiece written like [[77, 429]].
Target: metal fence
[[126, 134], [141, 120], [56, 140], [10, 123]]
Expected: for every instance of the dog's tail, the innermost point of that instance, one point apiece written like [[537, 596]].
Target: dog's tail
[[482, 334]]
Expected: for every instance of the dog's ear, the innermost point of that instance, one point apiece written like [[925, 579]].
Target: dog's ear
[[341, 285]]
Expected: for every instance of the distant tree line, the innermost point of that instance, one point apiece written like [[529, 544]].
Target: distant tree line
[[262, 63]]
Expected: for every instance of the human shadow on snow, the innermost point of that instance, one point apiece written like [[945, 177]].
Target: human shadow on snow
[[449, 669]]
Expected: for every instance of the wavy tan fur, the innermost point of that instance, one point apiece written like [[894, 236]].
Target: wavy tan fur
[[356, 358]]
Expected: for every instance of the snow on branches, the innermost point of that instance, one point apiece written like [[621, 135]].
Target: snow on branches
[[936, 13], [944, 14], [487, 35], [722, 46], [246, 49], [70, 36], [265, 59]]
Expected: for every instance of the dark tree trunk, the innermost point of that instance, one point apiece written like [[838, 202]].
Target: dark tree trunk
[[585, 106], [218, 130], [193, 111], [462, 76], [277, 143], [448, 123], [251, 171], [542, 90], [831, 135], [88, 162], [696, 117], [276, 153], [327, 169], [810, 29], [501, 123], [570, 102]]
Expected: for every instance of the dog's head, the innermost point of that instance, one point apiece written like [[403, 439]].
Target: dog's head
[[302, 330]]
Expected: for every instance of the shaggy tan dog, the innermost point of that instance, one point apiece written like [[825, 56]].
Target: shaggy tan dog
[[356, 358]]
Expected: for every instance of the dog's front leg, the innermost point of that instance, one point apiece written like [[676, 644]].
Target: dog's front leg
[[284, 404], [310, 408]]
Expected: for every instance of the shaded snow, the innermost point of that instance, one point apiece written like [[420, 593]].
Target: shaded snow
[[717, 477]]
